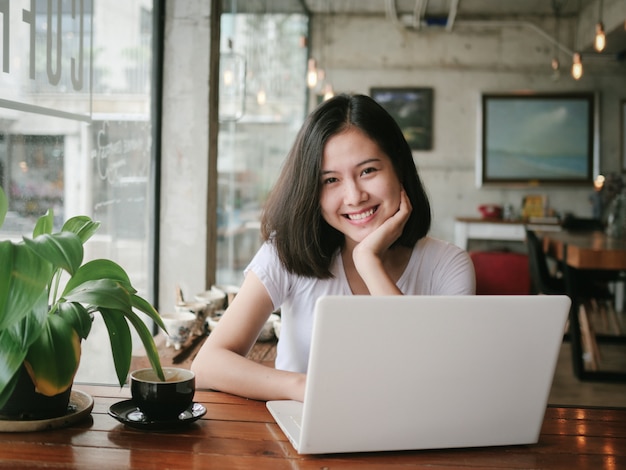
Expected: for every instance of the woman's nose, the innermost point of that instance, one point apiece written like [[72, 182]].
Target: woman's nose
[[354, 193]]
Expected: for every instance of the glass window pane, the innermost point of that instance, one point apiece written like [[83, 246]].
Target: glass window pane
[[262, 106], [75, 132]]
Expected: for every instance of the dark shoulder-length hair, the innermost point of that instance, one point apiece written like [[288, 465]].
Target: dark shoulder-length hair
[[292, 217]]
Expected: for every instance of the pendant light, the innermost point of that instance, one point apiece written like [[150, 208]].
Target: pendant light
[[555, 64], [600, 40], [311, 75], [577, 66], [328, 92], [261, 97]]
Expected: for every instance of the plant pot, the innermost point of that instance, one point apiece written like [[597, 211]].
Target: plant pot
[[26, 404]]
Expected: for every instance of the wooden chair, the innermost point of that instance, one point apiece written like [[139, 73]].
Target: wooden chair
[[595, 297]]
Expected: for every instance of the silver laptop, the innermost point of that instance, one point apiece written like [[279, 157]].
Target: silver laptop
[[425, 372]]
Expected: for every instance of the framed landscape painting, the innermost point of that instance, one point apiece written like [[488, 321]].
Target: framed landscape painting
[[538, 138], [412, 108]]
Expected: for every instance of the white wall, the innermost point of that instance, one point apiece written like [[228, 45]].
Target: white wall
[[358, 53]]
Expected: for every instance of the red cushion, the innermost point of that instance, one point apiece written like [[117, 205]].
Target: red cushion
[[501, 273]]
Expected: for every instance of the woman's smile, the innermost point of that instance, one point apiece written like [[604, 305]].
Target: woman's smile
[[361, 216]]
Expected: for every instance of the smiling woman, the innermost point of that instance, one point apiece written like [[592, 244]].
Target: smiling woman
[[348, 215]]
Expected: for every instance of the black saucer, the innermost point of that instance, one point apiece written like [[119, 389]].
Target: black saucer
[[127, 412]]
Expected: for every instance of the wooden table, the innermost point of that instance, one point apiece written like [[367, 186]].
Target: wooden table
[[584, 251], [237, 433]]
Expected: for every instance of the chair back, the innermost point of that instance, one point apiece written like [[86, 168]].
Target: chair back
[[501, 273], [543, 282]]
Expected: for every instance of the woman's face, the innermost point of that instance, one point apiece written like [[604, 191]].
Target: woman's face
[[360, 189]]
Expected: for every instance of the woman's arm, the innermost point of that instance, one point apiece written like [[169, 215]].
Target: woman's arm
[[221, 363]]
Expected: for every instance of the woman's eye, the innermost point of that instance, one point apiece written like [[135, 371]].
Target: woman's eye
[[330, 180], [367, 171]]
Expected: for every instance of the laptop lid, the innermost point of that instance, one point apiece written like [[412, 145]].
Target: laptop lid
[[423, 372]]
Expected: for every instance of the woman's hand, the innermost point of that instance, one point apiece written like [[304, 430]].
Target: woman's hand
[[379, 241], [369, 254]]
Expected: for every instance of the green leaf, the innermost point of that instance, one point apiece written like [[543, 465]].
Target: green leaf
[[63, 250], [6, 267], [96, 270], [100, 293], [14, 344], [7, 390], [44, 224], [27, 330], [4, 206], [148, 342], [148, 309], [121, 342], [82, 226], [76, 315], [25, 288], [52, 360], [12, 355]]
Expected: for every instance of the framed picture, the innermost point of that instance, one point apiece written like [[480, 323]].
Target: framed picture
[[538, 139], [412, 108], [623, 132]]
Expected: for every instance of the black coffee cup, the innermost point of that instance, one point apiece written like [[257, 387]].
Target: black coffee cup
[[163, 400]]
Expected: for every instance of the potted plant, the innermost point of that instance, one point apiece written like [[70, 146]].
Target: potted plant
[[42, 323]]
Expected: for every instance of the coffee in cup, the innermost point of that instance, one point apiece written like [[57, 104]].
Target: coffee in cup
[[163, 400]]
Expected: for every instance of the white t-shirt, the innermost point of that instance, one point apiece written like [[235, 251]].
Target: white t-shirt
[[435, 268]]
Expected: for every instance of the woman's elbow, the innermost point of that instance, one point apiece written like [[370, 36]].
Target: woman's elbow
[[201, 368]]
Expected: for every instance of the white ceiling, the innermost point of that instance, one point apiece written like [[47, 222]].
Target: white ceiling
[[466, 8], [433, 10]]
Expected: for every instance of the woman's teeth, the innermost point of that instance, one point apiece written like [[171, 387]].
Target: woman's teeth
[[361, 215]]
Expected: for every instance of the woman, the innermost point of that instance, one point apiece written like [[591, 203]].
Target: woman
[[347, 216]]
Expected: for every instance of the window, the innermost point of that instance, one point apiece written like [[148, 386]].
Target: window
[[262, 106], [76, 131]]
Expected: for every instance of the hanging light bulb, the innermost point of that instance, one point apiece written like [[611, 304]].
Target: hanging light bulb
[[328, 91], [577, 66], [556, 68], [600, 40], [261, 97], [555, 64], [598, 182], [311, 75], [228, 66], [228, 77]]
